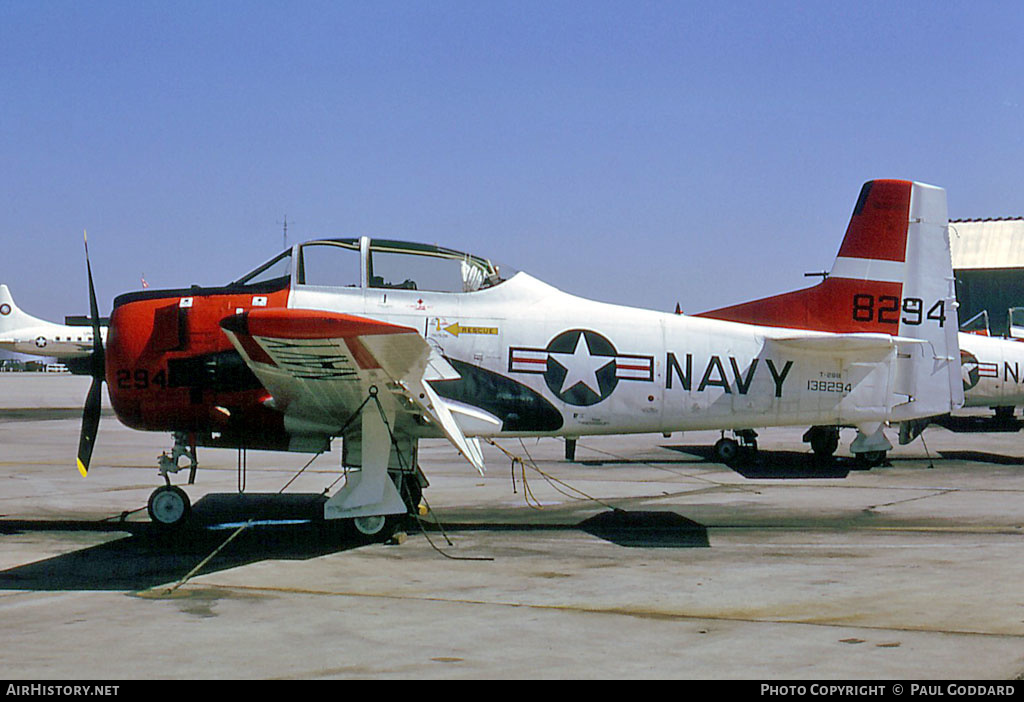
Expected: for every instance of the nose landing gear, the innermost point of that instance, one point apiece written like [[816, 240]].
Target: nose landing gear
[[169, 506]]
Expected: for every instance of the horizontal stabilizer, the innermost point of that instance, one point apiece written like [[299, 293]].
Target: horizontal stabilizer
[[838, 344]]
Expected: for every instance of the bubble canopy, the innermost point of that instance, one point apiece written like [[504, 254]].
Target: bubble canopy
[[378, 263]]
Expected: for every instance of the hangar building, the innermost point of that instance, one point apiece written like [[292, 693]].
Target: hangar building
[[988, 263]]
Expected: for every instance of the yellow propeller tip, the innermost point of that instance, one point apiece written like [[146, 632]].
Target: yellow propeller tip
[[82, 469]]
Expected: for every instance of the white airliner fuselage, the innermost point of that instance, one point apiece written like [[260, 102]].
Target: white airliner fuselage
[[23, 333]]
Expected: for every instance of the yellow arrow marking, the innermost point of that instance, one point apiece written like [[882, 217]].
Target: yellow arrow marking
[[456, 329]]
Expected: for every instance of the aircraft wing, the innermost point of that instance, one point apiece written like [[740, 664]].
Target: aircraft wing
[[320, 367]]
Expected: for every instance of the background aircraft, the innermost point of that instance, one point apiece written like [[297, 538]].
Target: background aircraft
[[383, 343], [22, 333]]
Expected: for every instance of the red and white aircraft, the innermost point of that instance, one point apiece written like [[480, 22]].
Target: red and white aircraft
[[383, 343], [869, 274]]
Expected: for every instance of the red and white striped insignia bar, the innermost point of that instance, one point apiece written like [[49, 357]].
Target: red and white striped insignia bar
[[528, 360], [634, 367]]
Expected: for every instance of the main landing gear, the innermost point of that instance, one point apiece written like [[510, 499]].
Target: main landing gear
[[870, 447], [870, 450], [823, 440]]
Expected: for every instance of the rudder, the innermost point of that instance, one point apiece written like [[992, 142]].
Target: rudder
[[11, 317]]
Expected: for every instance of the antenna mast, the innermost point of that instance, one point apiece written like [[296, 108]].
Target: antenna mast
[[284, 233]]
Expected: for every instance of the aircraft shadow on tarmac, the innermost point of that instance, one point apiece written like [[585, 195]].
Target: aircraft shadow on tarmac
[[781, 465], [767, 464], [971, 424], [286, 527], [630, 528], [981, 457]]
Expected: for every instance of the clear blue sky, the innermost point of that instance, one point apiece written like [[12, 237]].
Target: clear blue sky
[[639, 152]]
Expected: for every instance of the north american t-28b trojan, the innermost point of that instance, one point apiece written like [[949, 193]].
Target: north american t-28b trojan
[[382, 343]]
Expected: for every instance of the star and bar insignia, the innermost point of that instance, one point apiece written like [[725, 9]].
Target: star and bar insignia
[[581, 367]]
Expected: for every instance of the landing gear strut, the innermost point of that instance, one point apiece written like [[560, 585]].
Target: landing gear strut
[[184, 445], [384, 484]]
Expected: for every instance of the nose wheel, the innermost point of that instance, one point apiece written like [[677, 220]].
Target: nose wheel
[[169, 507]]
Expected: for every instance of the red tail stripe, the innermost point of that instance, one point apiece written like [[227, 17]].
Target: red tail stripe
[[878, 227], [831, 306]]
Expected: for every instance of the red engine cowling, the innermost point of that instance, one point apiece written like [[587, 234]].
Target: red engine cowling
[[169, 367]]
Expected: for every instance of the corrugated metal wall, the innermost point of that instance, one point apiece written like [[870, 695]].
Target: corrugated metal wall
[[988, 262]]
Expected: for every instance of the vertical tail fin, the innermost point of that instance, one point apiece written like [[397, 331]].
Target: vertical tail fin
[[893, 275], [870, 264], [11, 317]]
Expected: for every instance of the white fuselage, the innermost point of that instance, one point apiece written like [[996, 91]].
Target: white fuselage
[[611, 369]]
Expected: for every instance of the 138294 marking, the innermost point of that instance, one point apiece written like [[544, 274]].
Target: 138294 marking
[[829, 386]]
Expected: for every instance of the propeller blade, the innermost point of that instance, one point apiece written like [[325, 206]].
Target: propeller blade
[[98, 354], [90, 426], [91, 411]]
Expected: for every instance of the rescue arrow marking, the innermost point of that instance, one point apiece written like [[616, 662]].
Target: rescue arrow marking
[[456, 329]]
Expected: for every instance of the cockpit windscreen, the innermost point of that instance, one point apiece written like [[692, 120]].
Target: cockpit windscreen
[[277, 269]]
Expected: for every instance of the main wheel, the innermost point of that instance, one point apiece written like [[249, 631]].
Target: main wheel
[[376, 528], [871, 459], [169, 506], [824, 443], [370, 526]]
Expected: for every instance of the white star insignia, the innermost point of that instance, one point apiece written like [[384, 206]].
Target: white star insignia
[[581, 367]]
